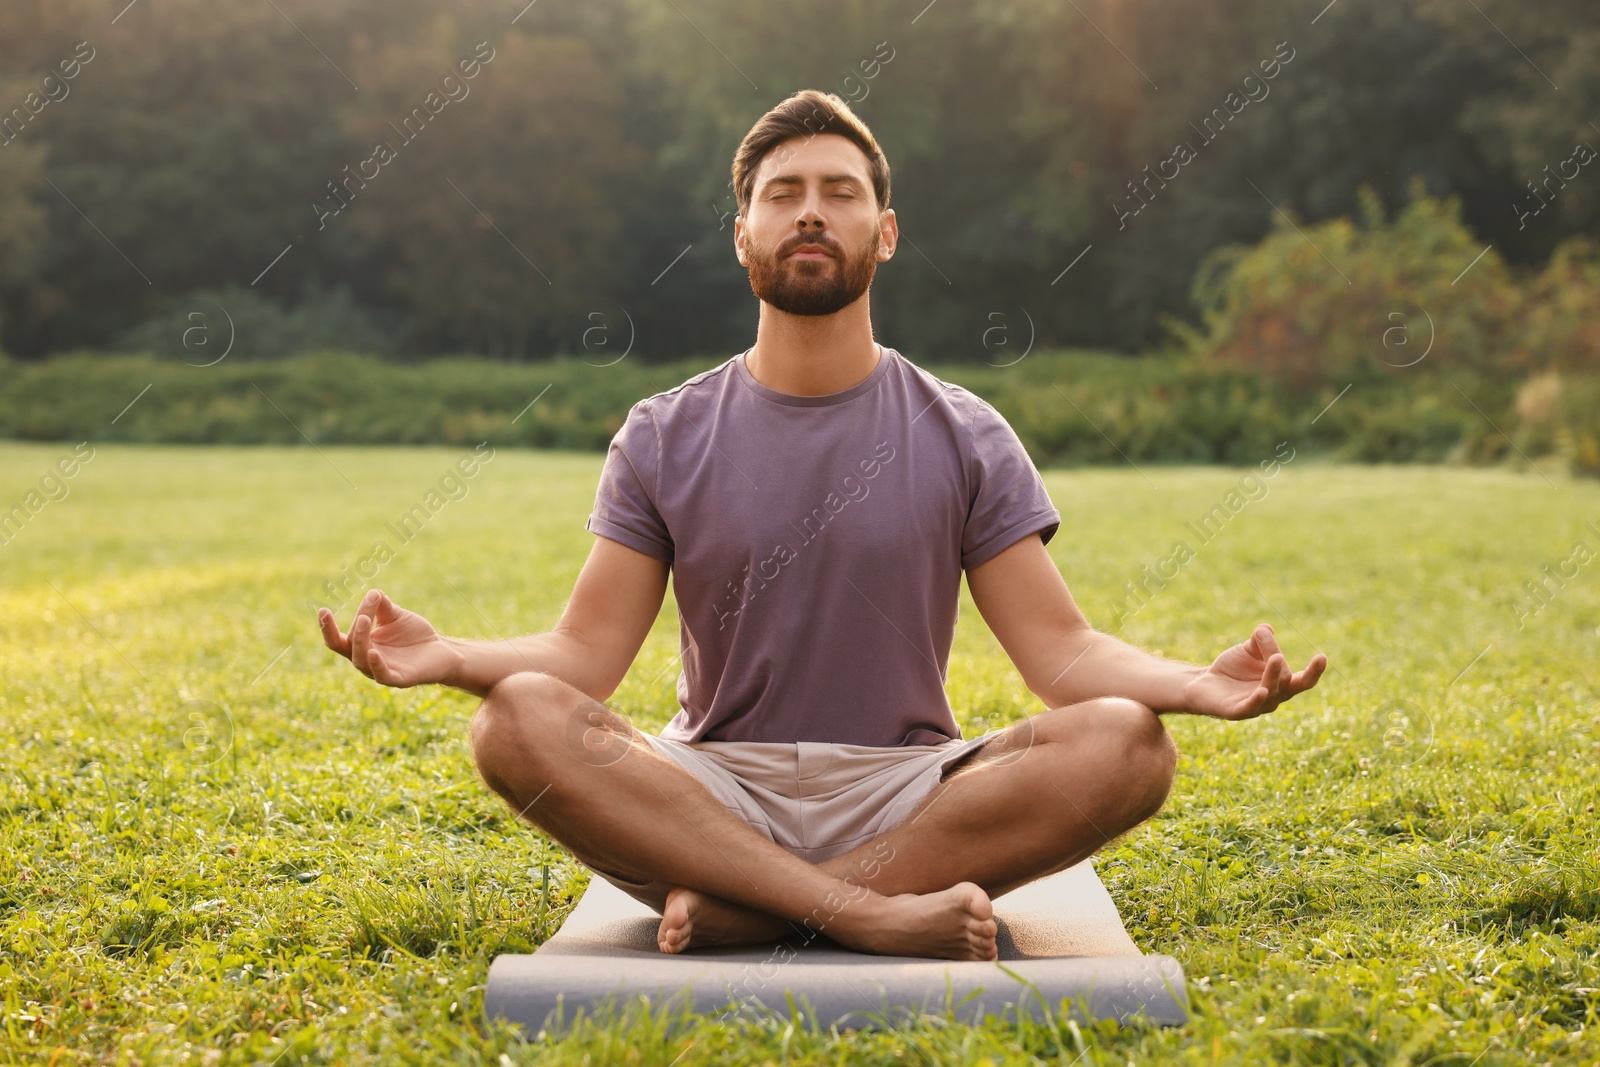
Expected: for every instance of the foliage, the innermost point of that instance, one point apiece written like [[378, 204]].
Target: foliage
[[1581, 409], [1560, 414], [1318, 304], [1069, 408], [327, 397], [22, 221], [224, 846], [1519, 349], [1541, 97], [1560, 324], [208, 326], [192, 152], [501, 217]]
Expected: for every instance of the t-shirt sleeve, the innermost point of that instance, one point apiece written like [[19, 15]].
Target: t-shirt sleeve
[[624, 504], [1008, 498]]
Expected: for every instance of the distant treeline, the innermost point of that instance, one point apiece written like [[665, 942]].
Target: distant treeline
[[1440, 352], [1372, 339], [490, 176], [1069, 408]]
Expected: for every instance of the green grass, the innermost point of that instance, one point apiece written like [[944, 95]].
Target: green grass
[[220, 844]]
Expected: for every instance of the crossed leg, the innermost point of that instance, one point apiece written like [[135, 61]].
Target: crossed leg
[[1045, 794], [1049, 792]]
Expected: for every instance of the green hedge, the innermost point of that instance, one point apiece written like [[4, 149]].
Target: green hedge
[[333, 397], [1419, 361], [1069, 408]]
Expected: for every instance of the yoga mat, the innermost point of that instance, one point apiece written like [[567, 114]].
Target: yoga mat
[[1060, 939]]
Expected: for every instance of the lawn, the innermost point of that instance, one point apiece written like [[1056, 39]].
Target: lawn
[[220, 844]]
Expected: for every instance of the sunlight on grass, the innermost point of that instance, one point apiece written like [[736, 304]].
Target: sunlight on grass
[[223, 845]]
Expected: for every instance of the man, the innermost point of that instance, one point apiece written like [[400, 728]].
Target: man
[[815, 500]]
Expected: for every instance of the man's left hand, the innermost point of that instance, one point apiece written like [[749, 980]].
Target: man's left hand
[[1249, 679]]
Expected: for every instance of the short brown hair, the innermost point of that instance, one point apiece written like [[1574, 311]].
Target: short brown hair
[[806, 114]]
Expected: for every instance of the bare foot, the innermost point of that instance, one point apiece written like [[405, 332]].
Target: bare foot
[[954, 924], [692, 918]]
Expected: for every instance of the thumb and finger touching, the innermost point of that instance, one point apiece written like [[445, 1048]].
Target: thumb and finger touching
[[1276, 682], [1270, 690], [385, 609], [375, 609]]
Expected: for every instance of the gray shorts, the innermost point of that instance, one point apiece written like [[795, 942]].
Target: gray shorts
[[814, 799]]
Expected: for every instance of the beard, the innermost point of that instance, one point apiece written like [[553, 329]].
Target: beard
[[813, 286]]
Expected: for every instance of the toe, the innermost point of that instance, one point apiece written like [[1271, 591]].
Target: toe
[[978, 902]]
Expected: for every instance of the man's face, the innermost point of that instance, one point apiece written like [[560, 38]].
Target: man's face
[[814, 236]]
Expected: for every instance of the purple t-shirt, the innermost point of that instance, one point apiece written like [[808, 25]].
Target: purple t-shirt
[[817, 544]]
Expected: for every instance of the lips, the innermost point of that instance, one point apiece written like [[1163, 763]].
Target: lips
[[810, 253]]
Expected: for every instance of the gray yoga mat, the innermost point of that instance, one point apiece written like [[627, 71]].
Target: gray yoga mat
[[1062, 946]]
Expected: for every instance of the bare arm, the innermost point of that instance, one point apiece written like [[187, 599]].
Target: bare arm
[[1063, 660], [615, 600]]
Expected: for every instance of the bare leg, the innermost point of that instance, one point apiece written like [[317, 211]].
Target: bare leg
[[570, 765], [1046, 794]]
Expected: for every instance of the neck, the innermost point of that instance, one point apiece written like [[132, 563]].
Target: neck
[[813, 355]]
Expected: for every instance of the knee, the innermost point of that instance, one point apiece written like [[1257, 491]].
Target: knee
[[1140, 747], [514, 706]]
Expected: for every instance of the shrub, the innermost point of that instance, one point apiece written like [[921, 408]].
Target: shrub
[[243, 324], [1560, 415], [1560, 327], [1581, 413], [333, 397], [1338, 302]]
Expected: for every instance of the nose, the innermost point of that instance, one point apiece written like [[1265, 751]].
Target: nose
[[810, 217]]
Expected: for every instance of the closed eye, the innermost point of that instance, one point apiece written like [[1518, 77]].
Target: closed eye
[[842, 194]]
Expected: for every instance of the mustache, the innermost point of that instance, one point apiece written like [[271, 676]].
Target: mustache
[[811, 244]]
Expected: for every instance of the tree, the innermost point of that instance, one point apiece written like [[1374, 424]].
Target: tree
[[495, 197], [1542, 99]]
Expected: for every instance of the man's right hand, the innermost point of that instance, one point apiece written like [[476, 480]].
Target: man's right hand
[[391, 645]]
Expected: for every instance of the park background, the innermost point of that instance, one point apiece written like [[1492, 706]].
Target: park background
[[1377, 257], [1402, 198]]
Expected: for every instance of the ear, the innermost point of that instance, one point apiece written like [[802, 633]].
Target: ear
[[889, 235], [739, 237]]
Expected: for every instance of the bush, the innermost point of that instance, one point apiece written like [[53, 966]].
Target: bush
[[1441, 346], [1560, 328], [1337, 302], [1581, 414], [1560, 415], [238, 323], [332, 397], [1074, 408], [1068, 408]]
